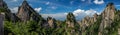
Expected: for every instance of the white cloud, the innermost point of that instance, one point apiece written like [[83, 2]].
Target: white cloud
[[90, 12], [38, 9], [47, 3], [14, 0], [79, 14], [98, 2], [53, 7], [14, 10], [82, 0], [60, 16], [87, 12], [78, 11]]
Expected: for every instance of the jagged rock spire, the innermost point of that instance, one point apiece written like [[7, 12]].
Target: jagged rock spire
[[26, 12]]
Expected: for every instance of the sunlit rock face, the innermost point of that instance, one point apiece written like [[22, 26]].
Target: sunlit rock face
[[51, 22], [87, 21], [107, 16], [26, 12]]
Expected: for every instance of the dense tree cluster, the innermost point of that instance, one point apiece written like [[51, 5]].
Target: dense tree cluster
[[33, 28]]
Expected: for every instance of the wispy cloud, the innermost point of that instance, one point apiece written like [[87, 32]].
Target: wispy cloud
[[38, 9], [47, 3], [14, 10], [98, 2], [58, 16], [79, 14], [82, 0], [14, 0], [71, 2]]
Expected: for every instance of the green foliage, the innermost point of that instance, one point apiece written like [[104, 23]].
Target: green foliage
[[2, 9], [71, 17], [36, 28]]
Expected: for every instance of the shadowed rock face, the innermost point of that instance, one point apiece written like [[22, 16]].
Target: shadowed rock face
[[26, 12], [3, 4], [8, 15]]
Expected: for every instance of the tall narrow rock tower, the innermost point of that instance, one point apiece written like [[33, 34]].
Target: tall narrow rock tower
[[107, 17]]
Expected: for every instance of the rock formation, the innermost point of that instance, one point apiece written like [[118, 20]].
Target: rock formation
[[107, 17], [26, 12], [51, 22], [8, 15]]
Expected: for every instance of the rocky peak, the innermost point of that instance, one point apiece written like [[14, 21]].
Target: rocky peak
[[107, 17], [25, 12], [95, 17], [108, 14], [25, 3], [51, 22]]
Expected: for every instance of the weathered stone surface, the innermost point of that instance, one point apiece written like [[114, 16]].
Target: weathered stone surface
[[51, 22], [108, 14], [107, 17], [26, 12]]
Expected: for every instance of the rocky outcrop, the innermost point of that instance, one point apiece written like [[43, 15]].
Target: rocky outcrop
[[8, 15], [107, 17], [51, 22], [26, 12], [71, 20], [87, 21]]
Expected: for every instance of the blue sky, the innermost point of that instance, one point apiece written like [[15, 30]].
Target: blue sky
[[59, 8]]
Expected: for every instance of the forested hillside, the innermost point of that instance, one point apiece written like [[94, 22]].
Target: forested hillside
[[28, 22]]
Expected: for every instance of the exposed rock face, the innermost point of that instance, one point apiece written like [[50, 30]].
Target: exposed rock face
[[51, 22], [88, 21], [3, 6], [26, 12], [107, 17], [15, 18], [8, 15], [70, 20]]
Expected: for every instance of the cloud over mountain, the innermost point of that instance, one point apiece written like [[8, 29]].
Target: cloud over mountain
[[79, 14], [38, 9]]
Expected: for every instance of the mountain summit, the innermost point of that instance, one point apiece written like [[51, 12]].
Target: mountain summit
[[26, 12]]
